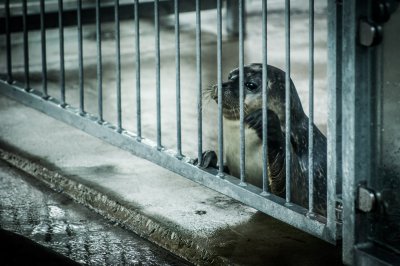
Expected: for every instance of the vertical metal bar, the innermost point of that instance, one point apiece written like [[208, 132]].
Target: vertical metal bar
[[287, 101], [26, 44], [61, 39], [80, 48], [265, 98], [311, 110], [118, 64], [137, 62], [220, 93], [357, 79], [158, 92], [334, 146], [99, 64], [43, 46], [199, 85], [178, 82], [241, 97], [8, 42]]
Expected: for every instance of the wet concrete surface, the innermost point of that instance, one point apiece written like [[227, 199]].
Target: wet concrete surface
[[61, 226], [19, 250]]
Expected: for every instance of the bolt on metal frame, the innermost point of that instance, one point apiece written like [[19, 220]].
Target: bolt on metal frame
[[175, 160]]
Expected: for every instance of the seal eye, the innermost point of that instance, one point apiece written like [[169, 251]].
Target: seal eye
[[251, 86]]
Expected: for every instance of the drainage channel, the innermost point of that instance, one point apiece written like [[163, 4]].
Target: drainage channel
[[48, 224]]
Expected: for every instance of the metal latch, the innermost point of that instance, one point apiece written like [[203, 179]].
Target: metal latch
[[366, 199], [370, 33], [370, 29]]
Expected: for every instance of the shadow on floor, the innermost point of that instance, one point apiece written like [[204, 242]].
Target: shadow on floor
[[19, 250]]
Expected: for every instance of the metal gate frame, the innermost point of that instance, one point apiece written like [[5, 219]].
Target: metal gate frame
[[274, 206], [356, 107], [361, 85]]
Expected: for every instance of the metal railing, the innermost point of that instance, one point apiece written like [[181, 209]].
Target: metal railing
[[261, 198]]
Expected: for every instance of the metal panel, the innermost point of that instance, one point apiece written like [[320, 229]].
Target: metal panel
[[386, 180], [378, 240], [356, 135]]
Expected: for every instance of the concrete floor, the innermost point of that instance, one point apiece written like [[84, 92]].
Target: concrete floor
[[186, 218], [51, 219]]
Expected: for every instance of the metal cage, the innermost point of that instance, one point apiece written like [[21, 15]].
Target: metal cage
[[94, 122], [344, 63]]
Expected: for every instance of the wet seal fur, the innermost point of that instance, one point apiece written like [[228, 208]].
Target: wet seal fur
[[275, 136]]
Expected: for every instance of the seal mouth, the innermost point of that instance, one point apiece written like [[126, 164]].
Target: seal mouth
[[231, 113]]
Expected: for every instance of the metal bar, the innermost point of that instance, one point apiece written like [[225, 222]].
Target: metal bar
[[334, 113], [287, 101], [274, 206], [118, 65], [199, 85], [265, 98], [43, 46], [80, 55], [219, 73], [26, 44], [8, 42], [99, 68], [178, 82], [62, 63], [311, 110], [158, 91], [357, 79], [241, 96], [137, 62]]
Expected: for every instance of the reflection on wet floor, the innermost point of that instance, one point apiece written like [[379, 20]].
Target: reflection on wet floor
[[51, 219]]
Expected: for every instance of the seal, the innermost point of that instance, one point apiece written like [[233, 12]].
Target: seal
[[276, 121]]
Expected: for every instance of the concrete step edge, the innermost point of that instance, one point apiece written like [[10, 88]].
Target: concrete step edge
[[178, 242]]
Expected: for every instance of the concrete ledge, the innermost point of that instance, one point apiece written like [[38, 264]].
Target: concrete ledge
[[184, 245]]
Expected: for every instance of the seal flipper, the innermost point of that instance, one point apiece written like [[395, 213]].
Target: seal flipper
[[275, 137], [254, 121], [276, 143], [210, 159]]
